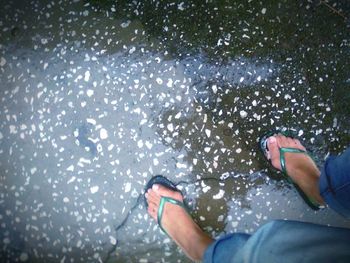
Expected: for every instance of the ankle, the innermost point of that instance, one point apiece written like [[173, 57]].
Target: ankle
[[196, 243]]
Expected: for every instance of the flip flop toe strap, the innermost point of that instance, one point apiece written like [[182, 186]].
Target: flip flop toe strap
[[283, 159], [312, 202], [162, 203]]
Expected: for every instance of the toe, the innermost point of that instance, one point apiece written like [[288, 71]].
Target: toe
[[299, 145], [152, 210], [282, 141], [272, 144], [164, 191], [152, 197], [290, 142]]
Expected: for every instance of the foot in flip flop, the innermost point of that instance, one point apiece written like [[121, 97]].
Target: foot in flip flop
[[166, 207], [290, 156]]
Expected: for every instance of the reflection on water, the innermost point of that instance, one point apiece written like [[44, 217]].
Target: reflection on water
[[93, 104]]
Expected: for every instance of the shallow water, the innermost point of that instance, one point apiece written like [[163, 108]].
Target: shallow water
[[98, 98]]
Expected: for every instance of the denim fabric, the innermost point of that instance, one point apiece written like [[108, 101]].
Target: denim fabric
[[283, 241], [291, 241], [335, 183]]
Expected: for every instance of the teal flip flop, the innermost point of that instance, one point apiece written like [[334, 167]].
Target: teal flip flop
[[264, 148], [161, 180]]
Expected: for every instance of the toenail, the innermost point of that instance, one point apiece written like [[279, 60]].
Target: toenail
[[155, 187], [272, 140], [146, 195]]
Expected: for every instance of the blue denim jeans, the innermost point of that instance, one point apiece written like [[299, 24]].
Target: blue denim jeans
[[291, 241], [335, 183], [283, 241]]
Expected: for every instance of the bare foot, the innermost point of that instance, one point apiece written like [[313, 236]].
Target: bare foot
[[300, 167], [177, 222]]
